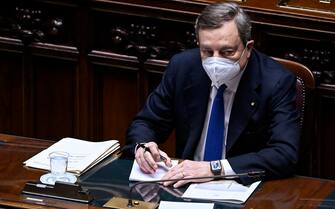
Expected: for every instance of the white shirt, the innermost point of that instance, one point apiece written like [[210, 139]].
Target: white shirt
[[229, 95]]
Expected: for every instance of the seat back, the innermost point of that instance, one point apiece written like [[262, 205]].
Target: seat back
[[305, 103], [305, 83]]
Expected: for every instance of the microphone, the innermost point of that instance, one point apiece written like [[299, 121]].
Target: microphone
[[137, 204]]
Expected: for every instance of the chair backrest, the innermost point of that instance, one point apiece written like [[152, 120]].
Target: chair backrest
[[305, 83]]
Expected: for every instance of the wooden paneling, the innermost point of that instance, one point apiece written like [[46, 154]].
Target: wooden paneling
[[325, 122], [11, 92], [116, 101], [144, 37], [327, 6], [291, 43], [54, 97]]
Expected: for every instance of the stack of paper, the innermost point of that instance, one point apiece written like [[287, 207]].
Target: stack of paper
[[83, 154]]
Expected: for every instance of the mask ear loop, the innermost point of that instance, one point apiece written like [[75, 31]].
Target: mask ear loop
[[237, 61], [246, 45]]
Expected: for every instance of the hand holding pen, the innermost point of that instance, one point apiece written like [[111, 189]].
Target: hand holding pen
[[148, 154], [147, 149]]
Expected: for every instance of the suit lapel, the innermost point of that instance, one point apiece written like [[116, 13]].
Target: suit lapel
[[245, 102], [196, 94]]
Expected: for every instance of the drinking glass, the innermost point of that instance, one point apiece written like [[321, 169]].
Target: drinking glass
[[58, 162]]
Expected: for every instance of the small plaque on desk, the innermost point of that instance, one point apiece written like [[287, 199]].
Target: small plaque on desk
[[122, 203]]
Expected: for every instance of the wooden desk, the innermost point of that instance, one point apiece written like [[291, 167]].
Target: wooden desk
[[13, 176], [296, 192]]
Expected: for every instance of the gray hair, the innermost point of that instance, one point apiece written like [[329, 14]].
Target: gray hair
[[215, 15]]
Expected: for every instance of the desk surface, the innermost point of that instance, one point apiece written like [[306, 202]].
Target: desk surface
[[106, 181]]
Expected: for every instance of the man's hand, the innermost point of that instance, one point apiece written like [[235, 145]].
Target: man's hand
[[148, 157], [188, 169]]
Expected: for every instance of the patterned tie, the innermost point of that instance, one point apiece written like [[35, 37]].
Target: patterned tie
[[215, 132]]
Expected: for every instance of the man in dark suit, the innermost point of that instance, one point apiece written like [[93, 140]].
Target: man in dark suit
[[233, 108]]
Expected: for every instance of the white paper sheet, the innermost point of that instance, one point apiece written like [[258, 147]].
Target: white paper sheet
[[179, 205], [137, 175], [221, 191]]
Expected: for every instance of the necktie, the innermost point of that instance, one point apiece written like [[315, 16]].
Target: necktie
[[215, 132]]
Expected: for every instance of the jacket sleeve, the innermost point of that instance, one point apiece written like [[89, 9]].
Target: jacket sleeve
[[155, 121]]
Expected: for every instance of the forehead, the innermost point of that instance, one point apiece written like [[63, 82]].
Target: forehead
[[227, 34]]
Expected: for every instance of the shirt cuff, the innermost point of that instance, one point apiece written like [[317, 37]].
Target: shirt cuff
[[227, 168]]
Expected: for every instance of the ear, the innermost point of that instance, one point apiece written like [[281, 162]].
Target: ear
[[250, 46]]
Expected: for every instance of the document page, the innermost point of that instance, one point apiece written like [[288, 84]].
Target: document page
[[221, 191], [137, 175], [179, 205]]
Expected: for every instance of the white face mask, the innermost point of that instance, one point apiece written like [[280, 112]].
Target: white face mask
[[221, 70]]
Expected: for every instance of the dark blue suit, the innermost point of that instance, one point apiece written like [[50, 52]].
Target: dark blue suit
[[263, 131]]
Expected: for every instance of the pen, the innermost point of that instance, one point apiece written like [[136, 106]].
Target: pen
[[146, 149]]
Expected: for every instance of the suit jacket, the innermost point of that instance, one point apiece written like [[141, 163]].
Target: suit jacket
[[263, 131]]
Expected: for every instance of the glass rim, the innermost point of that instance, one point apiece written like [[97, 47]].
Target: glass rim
[[59, 153]]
